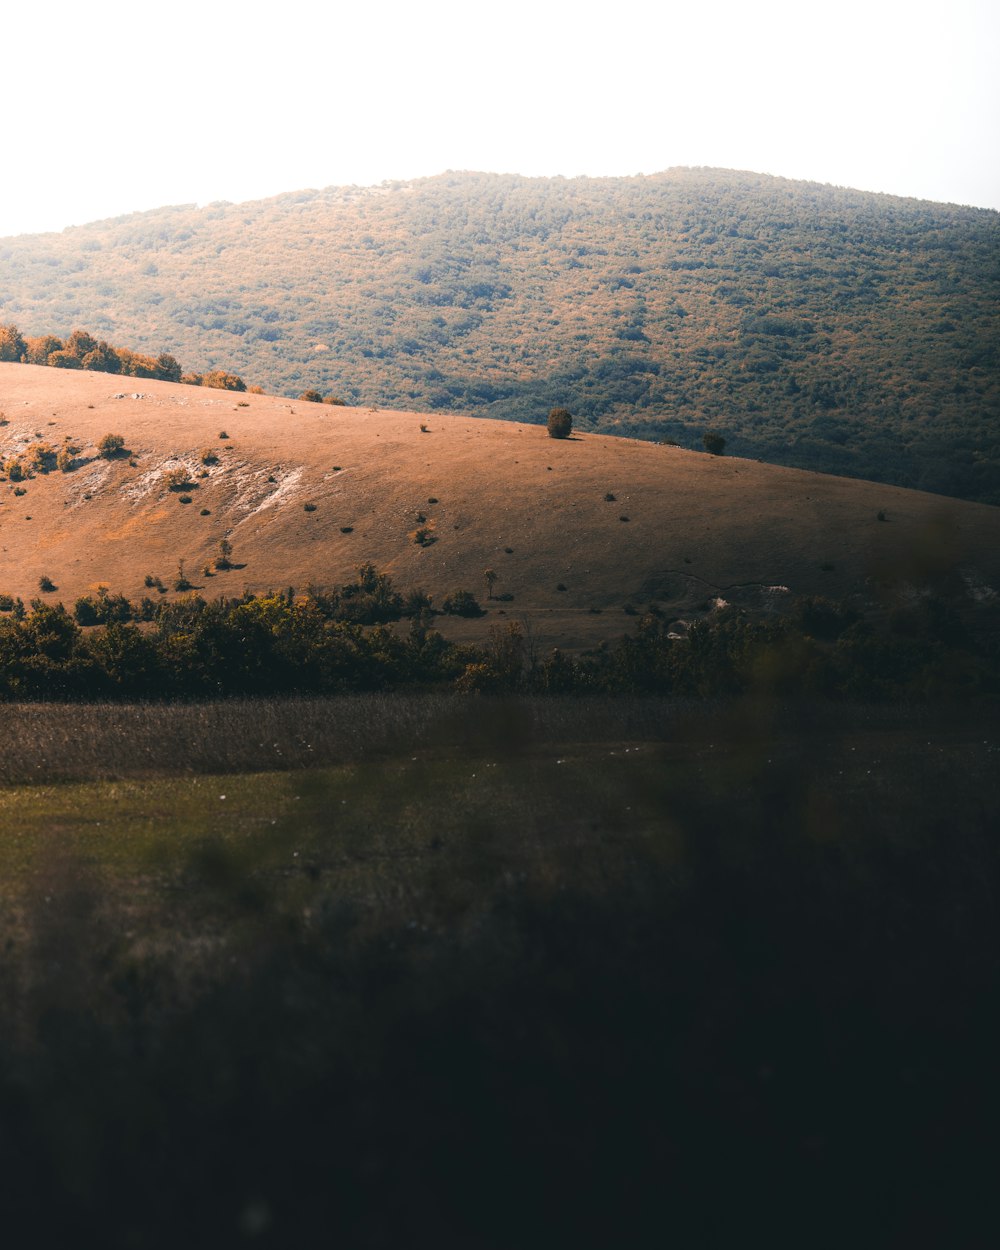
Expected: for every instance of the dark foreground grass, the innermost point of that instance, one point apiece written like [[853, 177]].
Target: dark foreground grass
[[508, 982]]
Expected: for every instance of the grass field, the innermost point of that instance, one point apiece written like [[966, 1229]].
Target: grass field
[[497, 974]]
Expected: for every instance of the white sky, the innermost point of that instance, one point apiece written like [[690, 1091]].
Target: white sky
[[132, 105]]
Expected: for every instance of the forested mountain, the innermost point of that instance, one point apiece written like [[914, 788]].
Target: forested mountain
[[809, 325]]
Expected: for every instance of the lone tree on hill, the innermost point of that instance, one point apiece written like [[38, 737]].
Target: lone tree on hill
[[715, 444], [560, 423]]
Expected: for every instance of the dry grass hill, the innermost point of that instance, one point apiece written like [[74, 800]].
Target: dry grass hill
[[579, 532]]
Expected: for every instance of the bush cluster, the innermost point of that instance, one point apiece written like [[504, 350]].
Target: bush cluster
[[343, 641]]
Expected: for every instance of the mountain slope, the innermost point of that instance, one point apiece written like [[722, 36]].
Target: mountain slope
[[822, 327], [681, 530]]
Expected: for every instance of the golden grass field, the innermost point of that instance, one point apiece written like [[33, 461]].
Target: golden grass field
[[684, 528]]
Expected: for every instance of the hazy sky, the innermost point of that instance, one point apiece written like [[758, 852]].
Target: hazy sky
[[134, 105]]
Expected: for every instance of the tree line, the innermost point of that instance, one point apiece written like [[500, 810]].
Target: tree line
[[345, 641], [82, 351]]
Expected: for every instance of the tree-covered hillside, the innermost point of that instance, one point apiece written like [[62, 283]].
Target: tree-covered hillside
[[809, 325]]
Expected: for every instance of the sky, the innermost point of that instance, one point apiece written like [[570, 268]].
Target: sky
[[132, 106]]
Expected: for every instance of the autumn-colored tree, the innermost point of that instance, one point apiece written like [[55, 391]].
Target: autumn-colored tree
[[80, 343], [12, 345], [38, 350], [223, 381], [103, 359], [63, 359]]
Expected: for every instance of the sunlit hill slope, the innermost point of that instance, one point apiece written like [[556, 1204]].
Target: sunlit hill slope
[[579, 532]]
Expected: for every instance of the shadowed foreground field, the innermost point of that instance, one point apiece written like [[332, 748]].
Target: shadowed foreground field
[[498, 974]]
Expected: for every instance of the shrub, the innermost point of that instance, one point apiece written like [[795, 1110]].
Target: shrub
[[462, 603], [222, 560], [46, 584], [560, 423], [311, 396], [714, 444], [180, 581], [185, 499], [177, 479], [209, 456], [423, 537], [335, 401], [309, 507], [110, 446]]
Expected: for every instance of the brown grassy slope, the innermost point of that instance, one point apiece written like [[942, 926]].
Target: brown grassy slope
[[698, 526]]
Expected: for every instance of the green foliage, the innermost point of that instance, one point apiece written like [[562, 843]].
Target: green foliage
[[342, 641], [714, 444], [560, 423]]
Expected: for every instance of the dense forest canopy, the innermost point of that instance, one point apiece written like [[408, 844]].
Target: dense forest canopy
[[813, 326]]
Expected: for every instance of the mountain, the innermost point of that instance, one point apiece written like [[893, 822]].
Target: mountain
[[582, 533], [813, 326]]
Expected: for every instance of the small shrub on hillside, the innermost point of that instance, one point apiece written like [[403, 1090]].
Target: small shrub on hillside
[[206, 512], [309, 507], [184, 499], [209, 456], [222, 560], [311, 396], [20, 490], [181, 581], [714, 444], [223, 434], [110, 446], [46, 584], [15, 470], [335, 401], [177, 479], [560, 423], [423, 537], [609, 498]]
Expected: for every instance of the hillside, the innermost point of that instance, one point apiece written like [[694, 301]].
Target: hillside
[[812, 326], [305, 493]]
